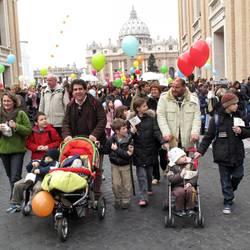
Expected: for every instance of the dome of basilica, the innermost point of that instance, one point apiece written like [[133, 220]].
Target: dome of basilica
[[135, 27]]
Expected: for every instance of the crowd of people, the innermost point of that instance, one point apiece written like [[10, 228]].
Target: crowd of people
[[141, 124]]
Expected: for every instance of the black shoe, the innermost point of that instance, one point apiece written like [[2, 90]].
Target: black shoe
[[180, 213], [125, 205], [190, 212]]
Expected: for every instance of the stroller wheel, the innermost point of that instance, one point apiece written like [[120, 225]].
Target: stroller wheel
[[169, 221], [101, 208], [164, 205], [199, 221], [62, 228], [26, 208]]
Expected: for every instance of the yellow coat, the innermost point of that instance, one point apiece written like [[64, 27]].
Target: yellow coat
[[172, 119]]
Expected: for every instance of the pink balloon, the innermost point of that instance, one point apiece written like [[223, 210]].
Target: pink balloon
[[199, 53], [185, 64], [93, 71]]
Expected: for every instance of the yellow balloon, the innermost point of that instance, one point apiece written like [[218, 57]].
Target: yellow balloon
[[73, 76], [123, 78], [135, 64]]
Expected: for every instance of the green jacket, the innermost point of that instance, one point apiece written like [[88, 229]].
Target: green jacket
[[16, 143]]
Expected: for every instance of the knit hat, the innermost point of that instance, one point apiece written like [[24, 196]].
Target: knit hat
[[174, 155], [53, 153], [229, 99]]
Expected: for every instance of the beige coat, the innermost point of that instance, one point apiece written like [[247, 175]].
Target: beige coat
[[53, 104], [172, 119]]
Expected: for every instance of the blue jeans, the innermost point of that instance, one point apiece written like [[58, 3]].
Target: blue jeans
[[13, 164], [144, 176], [230, 178]]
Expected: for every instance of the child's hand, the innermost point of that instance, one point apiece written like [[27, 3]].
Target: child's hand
[[133, 129], [165, 146], [114, 146], [35, 164], [45, 148], [36, 171], [183, 172], [40, 148], [237, 130], [188, 185]]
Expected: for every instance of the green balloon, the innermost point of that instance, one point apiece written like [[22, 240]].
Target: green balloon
[[98, 61], [44, 71], [118, 83], [2, 68], [164, 69]]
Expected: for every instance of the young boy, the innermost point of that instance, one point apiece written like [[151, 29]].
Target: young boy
[[39, 169], [226, 131], [120, 149], [183, 180], [43, 137]]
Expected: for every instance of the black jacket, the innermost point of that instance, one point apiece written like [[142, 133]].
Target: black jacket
[[146, 140], [119, 157], [228, 148]]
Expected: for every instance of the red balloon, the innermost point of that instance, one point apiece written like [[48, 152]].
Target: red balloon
[[199, 53], [137, 72], [185, 64]]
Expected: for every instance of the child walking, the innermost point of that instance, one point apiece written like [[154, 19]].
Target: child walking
[[120, 149], [146, 133], [226, 131]]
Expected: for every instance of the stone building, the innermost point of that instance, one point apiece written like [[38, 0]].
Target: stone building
[[227, 22], [9, 41], [165, 51]]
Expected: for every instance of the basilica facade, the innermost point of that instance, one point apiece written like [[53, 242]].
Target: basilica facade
[[165, 51]]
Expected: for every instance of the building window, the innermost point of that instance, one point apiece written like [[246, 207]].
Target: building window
[[184, 17], [139, 49], [93, 51], [159, 48], [170, 47], [196, 9]]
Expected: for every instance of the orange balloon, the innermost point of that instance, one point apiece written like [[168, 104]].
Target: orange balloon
[[43, 204], [140, 59]]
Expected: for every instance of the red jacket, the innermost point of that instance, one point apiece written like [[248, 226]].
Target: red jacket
[[48, 137]]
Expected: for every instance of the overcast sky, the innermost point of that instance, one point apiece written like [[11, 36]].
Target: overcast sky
[[72, 24]]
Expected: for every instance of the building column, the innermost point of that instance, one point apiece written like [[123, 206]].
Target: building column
[[111, 71], [123, 65]]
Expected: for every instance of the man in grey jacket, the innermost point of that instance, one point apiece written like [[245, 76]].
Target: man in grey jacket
[[54, 100]]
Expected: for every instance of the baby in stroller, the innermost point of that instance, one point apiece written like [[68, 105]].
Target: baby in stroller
[[183, 178], [36, 169]]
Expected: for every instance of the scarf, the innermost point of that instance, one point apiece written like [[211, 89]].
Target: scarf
[[7, 116]]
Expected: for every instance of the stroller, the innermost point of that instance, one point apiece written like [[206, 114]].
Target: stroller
[[79, 201], [169, 204]]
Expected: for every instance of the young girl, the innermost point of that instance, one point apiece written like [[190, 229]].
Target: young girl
[[43, 137], [110, 117], [121, 112], [145, 135]]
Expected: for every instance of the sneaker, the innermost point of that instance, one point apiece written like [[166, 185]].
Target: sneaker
[[155, 181], [13, 208], [103, 177], [180, 213], [142, 203], [227, 209], [190, 212]]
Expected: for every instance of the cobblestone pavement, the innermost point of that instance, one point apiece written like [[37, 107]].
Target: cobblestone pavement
[[138, 228]]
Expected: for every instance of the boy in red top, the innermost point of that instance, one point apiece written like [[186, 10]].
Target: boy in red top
[[43, 137]]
